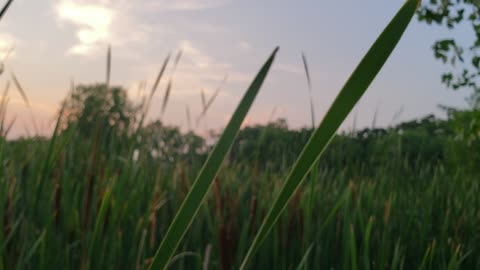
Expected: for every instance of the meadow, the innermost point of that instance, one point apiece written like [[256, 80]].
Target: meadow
[[109, 190]]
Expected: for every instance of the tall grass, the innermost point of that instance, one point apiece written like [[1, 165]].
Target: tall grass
[[341, 107], [191, 205], [68, 202]]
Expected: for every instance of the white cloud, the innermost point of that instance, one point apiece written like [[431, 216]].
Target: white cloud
[[200, 64], [197, 70], [93, 21], [185, 4], [198, 58], [100, 23], [7, 45]]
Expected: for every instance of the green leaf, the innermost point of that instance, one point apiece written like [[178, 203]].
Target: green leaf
[[354, 88], [193, 201]]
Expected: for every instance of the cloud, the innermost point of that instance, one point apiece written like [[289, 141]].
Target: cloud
[[170, 5], [93, 21], [101, 22], [200, 64], [197, 70], [7, 46], [294, 69]]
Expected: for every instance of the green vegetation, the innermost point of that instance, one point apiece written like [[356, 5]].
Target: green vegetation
[[464, 58], [109, 190]]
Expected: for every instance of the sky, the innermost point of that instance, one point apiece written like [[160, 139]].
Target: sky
[[57, 41]]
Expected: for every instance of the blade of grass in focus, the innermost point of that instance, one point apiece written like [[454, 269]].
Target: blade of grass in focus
[[200, 187], [354, 88]]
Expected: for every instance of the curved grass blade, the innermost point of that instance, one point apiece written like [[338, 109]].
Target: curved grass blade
[[354, 88], [98, 225], [309, 82], [204, 102], [200, 187], [166, 97], [209, 103], [32, 250], [157, 80], [177, 60], [304, 260], [5, 8], [20, 90], [27, 102]]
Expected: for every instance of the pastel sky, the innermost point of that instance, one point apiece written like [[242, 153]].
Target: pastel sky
[[56, 41]]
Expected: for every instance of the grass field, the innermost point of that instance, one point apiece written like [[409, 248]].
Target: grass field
[[112, 213], [109, 191]]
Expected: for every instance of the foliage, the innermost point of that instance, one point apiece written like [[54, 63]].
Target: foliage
[[107, 192], [465, 126], [466, 57], [404, 212], [96, 107], [168, 144]]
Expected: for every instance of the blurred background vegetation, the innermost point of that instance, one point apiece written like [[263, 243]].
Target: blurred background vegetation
[[398, 197]]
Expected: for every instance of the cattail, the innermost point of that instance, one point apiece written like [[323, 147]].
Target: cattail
[[253, 210], [459, 223], [88, 195], [293, 212], [221, 227], [57, 201], [153, 211], [206, 260], [351, 185], [300, 223], [7, 215], [253, 201], [184, 186], [338, 229], [386, 211], [57, 197], [232, 233]]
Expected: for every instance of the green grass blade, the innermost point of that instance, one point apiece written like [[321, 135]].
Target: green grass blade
[[354, 88], [98, 224], [200, 187], [303, 262], [49, 157], [366, 244], [353, 249], [109, 66], [32, 250]]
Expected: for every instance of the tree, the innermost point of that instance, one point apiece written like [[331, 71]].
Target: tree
[[169, 144], [94, 108], [466, 57]]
